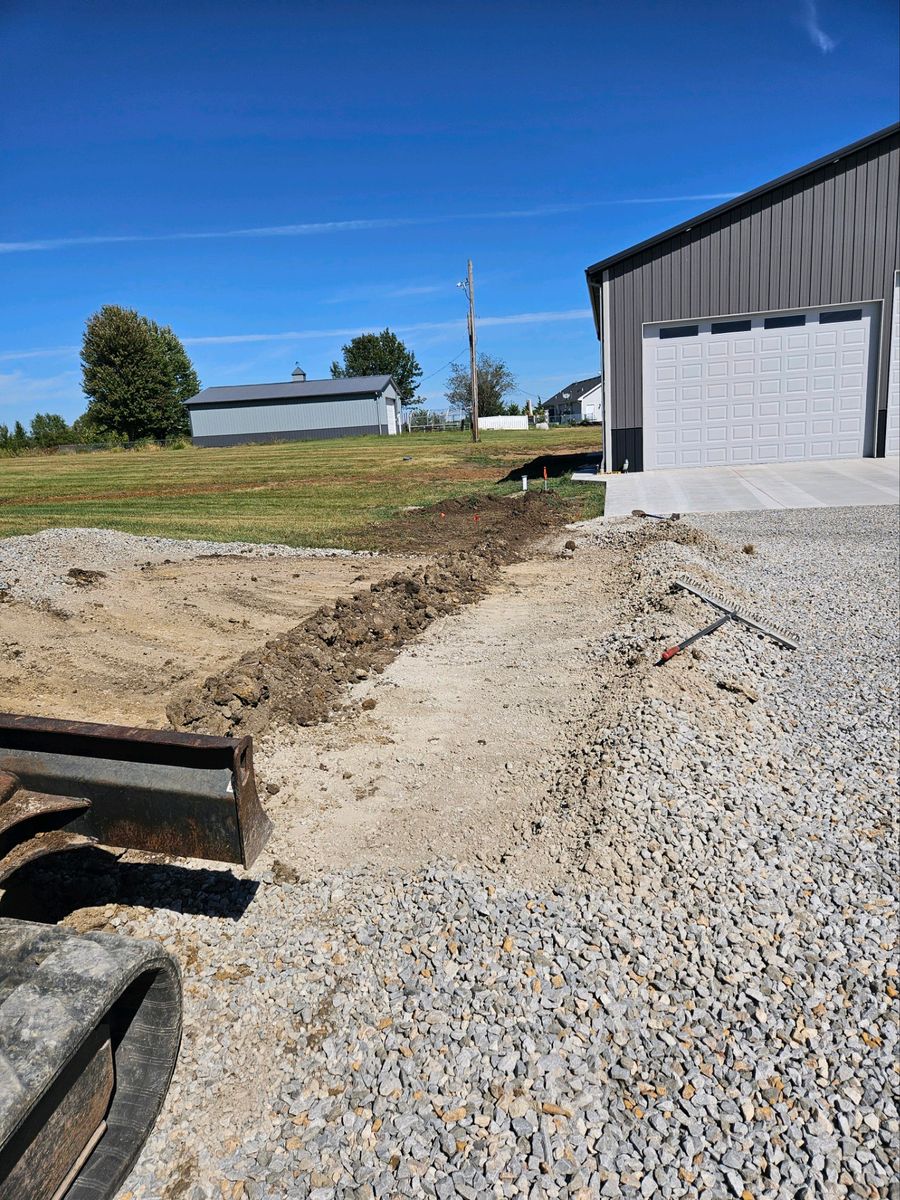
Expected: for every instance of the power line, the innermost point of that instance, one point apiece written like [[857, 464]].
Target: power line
[[444, 367]]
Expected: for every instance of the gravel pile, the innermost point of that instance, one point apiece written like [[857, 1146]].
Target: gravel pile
[[708, 1009], [35, 568]]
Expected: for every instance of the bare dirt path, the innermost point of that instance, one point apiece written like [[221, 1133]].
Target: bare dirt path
[[455, 755]]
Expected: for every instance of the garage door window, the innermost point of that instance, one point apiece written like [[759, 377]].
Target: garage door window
[[730, 326], [785, 322], [674, 331], [843, 314]]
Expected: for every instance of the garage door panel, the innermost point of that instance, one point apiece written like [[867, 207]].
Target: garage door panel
[[763, 396], [892, 424]]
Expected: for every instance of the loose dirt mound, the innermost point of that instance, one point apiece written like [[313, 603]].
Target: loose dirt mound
[[298, 676], [469, 522]]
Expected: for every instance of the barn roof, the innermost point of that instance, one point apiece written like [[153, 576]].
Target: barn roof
[[310, 389]]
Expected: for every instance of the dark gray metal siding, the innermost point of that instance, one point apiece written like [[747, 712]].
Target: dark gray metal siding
[[827, 237], [296, 435]]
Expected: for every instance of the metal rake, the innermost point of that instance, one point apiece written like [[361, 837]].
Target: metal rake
[[730, 612]]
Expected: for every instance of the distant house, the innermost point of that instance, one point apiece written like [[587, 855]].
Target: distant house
[[580, 401], [301, 410]]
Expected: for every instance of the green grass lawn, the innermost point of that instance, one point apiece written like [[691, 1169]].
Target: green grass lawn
[[302, 493]]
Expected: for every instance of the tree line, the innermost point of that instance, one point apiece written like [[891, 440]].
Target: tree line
[[137, 377]]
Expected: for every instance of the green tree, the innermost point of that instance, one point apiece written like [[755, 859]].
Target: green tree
[[136, 375], [381, 354], [49, 429], [494, 380], [85, 432], [19, 438]]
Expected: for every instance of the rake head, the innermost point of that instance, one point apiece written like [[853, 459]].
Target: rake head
[[726, 605]]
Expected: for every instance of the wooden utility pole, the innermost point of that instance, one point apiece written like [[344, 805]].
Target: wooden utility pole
[[470, 292]]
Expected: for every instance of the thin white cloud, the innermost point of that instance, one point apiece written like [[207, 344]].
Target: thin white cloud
[[817, 35], [527, 318], [306, 335], [47, 352], [314, 228], [22, 390]]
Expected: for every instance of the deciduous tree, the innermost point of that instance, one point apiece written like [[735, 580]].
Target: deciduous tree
[[494, 380], [380, 354], [49, 429], [136, 375]]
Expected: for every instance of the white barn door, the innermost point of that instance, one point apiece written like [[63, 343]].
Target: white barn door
[[776, 387]]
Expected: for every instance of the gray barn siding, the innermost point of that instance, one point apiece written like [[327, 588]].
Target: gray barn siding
[[262, 420], [828, 237]]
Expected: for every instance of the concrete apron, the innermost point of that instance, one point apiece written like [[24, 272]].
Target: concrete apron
[[835, 484]]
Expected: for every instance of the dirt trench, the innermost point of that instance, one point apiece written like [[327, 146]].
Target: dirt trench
[[299, 676]]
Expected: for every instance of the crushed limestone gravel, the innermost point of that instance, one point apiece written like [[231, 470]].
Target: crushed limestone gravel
[[708, 1008]]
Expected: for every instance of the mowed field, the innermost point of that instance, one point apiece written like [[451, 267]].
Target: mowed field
[[324, 493]]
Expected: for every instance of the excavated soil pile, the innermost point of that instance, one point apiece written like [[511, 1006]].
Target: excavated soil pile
[[470, 522], [298, 676]]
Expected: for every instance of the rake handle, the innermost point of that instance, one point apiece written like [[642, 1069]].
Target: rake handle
[[677, 649]]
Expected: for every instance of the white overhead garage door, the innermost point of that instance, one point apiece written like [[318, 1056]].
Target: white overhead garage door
[[775, 387], [892, 440]]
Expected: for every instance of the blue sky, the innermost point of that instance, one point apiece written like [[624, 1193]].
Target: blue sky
[[271, 178]]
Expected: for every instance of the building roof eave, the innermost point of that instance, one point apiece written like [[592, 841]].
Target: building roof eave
[[736, 201]]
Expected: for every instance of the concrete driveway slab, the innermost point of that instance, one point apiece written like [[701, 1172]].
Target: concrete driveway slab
[[838, 484]]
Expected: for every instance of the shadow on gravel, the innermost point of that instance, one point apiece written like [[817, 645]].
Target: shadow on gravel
[[557, 465], [51, 890]]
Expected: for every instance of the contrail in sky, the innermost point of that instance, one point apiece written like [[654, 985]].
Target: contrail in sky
[[316, 228], [295, 335]]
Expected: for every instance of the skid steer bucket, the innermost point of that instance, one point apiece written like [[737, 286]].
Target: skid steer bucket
[[66, 784], [90, 1025]]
